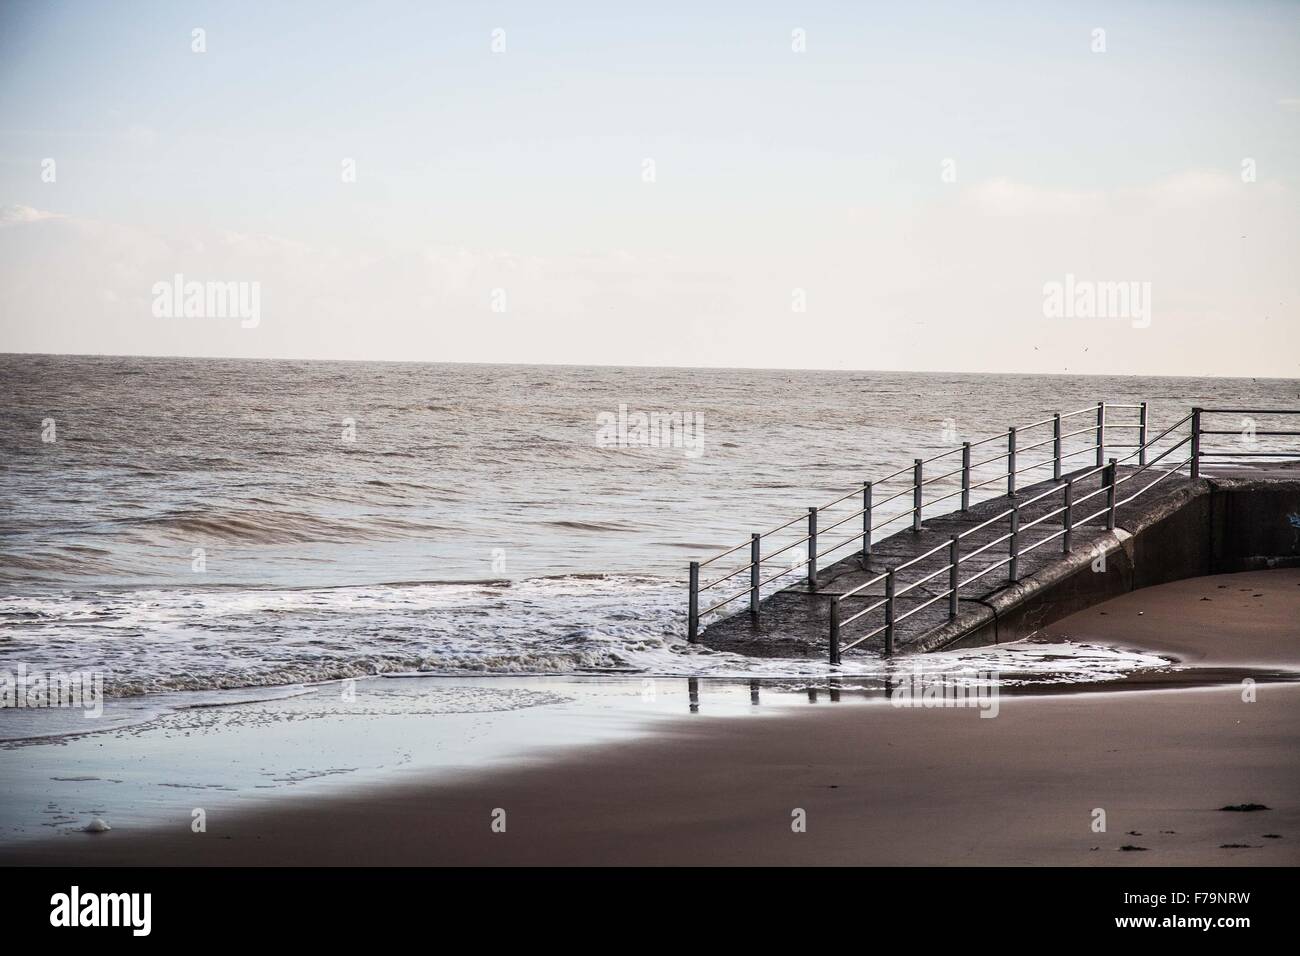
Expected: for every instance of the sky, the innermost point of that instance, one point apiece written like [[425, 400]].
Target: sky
[[769, 185]]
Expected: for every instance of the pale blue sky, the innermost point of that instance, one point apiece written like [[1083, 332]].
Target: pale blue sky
[[775, 170]]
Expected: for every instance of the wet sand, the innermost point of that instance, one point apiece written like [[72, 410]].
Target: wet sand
[[1248, 620], [876, 784]]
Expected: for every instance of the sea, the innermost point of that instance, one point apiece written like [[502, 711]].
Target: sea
[[191, 525]]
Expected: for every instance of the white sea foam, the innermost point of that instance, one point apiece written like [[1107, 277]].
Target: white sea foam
[[149, 641]]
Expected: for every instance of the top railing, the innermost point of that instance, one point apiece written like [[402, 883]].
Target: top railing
[[1247, 432], [909, 503]]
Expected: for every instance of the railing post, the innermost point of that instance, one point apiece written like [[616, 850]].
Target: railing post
[[1056, 447], [954, 553], [812, 549], [916, 494], [1110, 495], [965, 476], [1067, 520], [1101, 434], [866, 519], [1015, 543], [889, 613], [835, 630], [693, 612], [1011, 462], [1196, 443], [1142, 435], [755, 545]]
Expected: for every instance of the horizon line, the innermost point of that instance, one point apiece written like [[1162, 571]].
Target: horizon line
[[608, 365]]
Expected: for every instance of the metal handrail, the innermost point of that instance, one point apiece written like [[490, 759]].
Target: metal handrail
[[988, 461], [737, 548], [929, 577], [705, 587], [847, 518], [869, 509], [1079, 452], [1170, 449], [865, 584], [781, 574], [849, 540], [977, 576], [984, 547], [1250, 411], [1237, 431], [904, 514], [988, 481], [1178, 424], [920, 607], [1038, 445], [984, 524], [793, 544], [1090, 408], [1041, 518], [901, 471], [1051, 537], [905, 491], [865, 637], [1267, 433], [725, 601], [955, 471], [1110, 481], [951, 494], [780, 527], [866, 610], [942, 454], [1171, 471], [831, 504], [920, 557]]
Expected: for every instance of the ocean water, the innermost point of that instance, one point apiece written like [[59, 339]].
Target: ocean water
[[185, 524]]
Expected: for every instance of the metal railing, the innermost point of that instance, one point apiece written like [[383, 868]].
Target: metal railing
[[1061, 434], [1014, 538], [1247, 434], [875, 513]]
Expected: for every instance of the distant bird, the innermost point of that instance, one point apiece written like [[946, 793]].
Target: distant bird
[[97, 825]]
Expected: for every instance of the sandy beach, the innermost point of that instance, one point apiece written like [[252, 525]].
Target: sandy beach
[[872, 783]]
